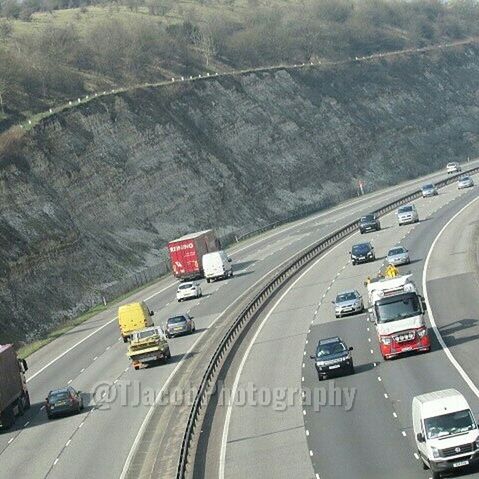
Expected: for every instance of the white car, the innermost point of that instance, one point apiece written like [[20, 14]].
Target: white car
[[453, 167], [187, 291], [407, 214], [465, 182]]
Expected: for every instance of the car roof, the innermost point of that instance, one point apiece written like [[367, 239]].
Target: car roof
[[59, 390], [335, 339], [186, 283], [347, 291]]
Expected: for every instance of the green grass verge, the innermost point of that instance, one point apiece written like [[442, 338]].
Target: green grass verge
[[30, 348]]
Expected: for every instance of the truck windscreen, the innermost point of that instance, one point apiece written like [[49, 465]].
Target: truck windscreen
[[399, 307]]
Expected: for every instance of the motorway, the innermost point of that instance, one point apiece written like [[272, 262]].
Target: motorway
[[362, 427], [92, 357]]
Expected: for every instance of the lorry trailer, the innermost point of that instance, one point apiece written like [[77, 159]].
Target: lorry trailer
[[14, 397]]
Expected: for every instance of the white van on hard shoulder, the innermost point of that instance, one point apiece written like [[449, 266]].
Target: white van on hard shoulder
[[217, 265], [445, 431]]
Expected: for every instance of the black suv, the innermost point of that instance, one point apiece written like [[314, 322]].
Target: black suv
[[369, 223], [362, 253], [333, 357]]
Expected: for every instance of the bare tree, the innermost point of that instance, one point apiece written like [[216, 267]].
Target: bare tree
[[204, 41], [3, 91]]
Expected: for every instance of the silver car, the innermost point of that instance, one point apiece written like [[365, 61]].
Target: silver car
[[187, 291], [453, 167], [348, 302], [181, 324], [465, 182], [398, 255], [407, 214], [429, 190]]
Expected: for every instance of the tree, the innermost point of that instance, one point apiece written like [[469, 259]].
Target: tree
[[204, 41], [6, 30], [3, 91], [10, 8]]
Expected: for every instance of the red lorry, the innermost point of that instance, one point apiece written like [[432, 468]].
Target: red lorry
[[186, 253], [14, 398]]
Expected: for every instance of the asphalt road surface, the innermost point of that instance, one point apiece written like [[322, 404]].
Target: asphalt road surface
[[360, 425], [92, 358]]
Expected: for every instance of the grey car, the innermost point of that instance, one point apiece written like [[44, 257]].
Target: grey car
[[348, 302], [398, 255], [369, 223], [63, 401], [429, 190], [465, 182], [407, 214], [181, 324]]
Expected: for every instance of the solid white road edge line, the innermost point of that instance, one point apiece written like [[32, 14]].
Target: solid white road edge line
[[170, 377], [282, 230], [229, 409], [435, 329]]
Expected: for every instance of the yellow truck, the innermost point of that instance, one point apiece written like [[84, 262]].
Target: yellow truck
[[132, 317], [148, 346]]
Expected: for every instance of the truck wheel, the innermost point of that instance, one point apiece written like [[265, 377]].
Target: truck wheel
[[125, 339], [208, 280], [21, 407], [136, 367], [27, 400], [8, 417], [231, 273], [168, 354]]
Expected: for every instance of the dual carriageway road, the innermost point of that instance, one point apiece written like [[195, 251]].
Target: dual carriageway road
[[96, 442], [370, 436]]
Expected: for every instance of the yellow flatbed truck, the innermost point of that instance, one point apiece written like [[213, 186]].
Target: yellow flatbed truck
[[148, 346]]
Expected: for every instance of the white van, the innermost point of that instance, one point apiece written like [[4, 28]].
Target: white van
[[445, 430], [217, 265]]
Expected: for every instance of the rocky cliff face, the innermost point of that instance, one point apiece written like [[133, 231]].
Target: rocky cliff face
[[95, 193]]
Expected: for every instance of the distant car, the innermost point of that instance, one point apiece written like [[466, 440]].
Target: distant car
[[362, 253], [398, 255], [63, 401], [429, 190], [407, 214], [369, 223], [187, 291], [453, 167], [348, 302], [465, 182], [333, 357], [181, 324]]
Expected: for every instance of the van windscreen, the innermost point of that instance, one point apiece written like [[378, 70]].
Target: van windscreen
[[449, 424]]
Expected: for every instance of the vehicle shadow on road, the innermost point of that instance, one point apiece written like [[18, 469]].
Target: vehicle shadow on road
[[413, 261], [362, 368], [243, 265], [243, 273], [457, 326], [199, 330]]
